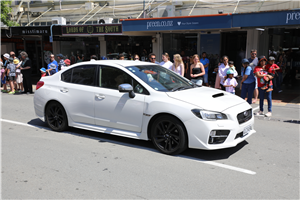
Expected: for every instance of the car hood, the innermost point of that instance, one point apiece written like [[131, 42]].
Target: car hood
[[207, 98]]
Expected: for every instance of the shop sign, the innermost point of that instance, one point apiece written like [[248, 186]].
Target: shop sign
[[30, 30], [178, 23], [281, 18], [15, 40], [92, 29]]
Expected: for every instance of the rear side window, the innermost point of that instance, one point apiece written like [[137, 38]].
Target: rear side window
[[83, 75], [67, 76]]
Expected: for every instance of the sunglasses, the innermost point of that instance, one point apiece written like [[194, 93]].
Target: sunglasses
[[152, 58], [136, 58]]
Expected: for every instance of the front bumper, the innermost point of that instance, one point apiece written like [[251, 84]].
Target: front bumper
[[199, 130]]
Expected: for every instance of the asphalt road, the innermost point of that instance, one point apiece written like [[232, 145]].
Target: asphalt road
[[38, 163]]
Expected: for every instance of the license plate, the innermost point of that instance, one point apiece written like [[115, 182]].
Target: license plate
[[246, 130]]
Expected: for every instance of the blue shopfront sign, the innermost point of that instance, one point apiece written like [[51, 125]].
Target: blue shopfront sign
[[282, 18], [178, 23]]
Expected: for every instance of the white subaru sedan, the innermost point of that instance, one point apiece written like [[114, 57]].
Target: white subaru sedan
[[144, 101]]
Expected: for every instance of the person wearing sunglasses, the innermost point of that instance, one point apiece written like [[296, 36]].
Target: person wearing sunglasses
[[152, 58], [136, 57]]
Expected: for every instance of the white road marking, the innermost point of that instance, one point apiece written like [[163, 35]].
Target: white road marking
[[238, 169]]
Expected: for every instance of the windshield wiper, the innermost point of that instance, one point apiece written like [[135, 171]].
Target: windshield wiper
[[179, 88]]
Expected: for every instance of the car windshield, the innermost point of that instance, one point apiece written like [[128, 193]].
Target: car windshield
[[160, 78]]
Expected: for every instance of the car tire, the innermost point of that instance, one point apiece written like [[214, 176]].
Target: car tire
[[56, 117], [169, 135]]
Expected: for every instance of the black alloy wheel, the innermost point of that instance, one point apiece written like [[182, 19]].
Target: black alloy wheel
[[168, 135], [56, 117]]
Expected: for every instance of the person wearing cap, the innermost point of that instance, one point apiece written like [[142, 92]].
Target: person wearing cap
[[260, 73], [4, 78], [19, 75], [50, 67], [43, 72], [271, 68], [230, 83], [248, 81], [11, 72], [67, 64], [61, 62]]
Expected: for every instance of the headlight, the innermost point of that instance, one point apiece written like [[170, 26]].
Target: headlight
[[209, 115]]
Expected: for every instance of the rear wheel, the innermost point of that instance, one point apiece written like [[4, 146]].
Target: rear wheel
[[168, 135], [56, 117]]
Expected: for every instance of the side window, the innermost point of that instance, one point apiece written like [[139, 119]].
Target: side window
[[111, 77], [138, 88], [84, 75], [67, 76]]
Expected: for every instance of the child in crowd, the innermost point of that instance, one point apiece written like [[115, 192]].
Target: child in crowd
[[270, 68], [11, 71], [51, 69], [19, 76], [231, 65], [1, 71], [230, 83], [232, 68], [43, 72]]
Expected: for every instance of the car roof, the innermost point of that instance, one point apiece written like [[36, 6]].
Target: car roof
[[123, 63]]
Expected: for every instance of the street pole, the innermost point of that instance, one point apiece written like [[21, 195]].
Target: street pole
[[144, 9]]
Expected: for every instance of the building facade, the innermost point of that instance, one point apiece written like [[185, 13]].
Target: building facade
[[108, 28]]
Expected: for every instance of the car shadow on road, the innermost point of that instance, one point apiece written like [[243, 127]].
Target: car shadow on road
[[195, 154]]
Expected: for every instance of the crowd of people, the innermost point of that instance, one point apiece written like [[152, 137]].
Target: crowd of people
[[256, 78], [16, 72]]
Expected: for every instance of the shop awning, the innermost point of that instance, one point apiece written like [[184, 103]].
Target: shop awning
[[261, 19], [178, 23]]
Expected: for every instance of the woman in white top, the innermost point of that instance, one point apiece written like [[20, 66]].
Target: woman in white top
[[223, 70], [178, 66], [197, 70], [166, 62]]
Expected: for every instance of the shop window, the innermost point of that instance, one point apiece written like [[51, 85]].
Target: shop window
[[180, 44]]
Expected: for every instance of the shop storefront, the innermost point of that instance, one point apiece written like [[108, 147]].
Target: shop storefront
[[186, 35], [33, 40], [276, 33]]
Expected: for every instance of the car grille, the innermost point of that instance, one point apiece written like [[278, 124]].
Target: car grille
[[244, 116]]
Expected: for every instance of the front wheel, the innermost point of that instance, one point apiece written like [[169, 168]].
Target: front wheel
[[168, 135], [56, 117]]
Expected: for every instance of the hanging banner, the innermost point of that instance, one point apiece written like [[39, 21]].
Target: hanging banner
[[92, 29]]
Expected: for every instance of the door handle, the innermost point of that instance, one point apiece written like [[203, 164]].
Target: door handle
[[100, 96], [64, 90]]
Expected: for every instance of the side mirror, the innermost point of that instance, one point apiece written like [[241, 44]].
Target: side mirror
[[126, 88]]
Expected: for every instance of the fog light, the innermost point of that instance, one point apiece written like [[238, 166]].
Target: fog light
[[218, 136]]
